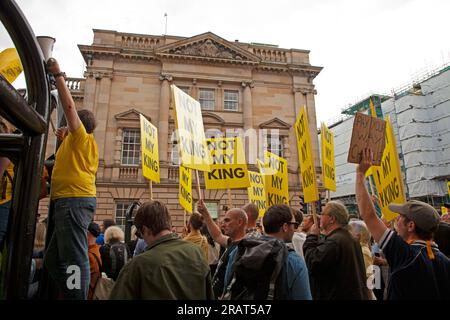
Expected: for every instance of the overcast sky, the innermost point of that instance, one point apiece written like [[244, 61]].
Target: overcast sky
[[364, 46]]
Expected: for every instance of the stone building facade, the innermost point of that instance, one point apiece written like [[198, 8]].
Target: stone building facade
[[255, 89]]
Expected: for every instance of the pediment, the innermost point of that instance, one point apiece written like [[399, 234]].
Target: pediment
[[274, 123], [130, 115], [208, 46], [212, 119]]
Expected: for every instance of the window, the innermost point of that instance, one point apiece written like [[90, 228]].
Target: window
[[131, 147], [174, 155], [213, 208], [207, 100], [121, 213], [275, 144], [231, 100], [185, 90]]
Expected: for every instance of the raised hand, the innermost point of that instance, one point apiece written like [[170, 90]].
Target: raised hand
[[366, 161]]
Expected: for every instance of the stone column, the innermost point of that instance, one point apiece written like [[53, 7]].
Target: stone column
[[249, 145], [163, 122], [311, 111], [102, 82], [247, 105]]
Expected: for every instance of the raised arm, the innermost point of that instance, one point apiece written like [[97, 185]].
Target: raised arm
[[365, 205], [70, 111], [213, 228]]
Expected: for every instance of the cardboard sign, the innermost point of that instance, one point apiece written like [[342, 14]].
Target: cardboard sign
[[388, 177], [149, 148], [228, 168], [367, 132], [275, 179], [306, 158], [192, 142], [10, 65], [328, 166], [185, 188], [256, 192]]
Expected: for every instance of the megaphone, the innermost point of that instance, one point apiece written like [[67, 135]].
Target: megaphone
[[46, 43]]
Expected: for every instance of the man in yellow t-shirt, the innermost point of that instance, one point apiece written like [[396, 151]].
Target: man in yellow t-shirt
[[73, 195], [6, 186]]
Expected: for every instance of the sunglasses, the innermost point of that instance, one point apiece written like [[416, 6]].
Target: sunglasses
[[296, 224]]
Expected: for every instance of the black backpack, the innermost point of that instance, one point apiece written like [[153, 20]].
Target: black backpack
[[118, 256], [257, 269]]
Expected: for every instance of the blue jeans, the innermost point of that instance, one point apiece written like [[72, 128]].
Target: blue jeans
[[66, 258], [4, 217]]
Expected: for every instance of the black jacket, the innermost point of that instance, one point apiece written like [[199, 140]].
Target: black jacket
[[336, 267]]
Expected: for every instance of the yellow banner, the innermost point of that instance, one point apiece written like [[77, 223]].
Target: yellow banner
[[328, 166], [388, 177], [185, 190], [149, 146], [275, 179], [192, 142], [444, 211], [256, 192], [10, 65], [448, 188], [373, 113], [305, 155], [228, 168]]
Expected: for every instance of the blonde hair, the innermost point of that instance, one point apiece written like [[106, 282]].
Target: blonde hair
[[338, 210], [133, 233], [359, 229], [114, 234]]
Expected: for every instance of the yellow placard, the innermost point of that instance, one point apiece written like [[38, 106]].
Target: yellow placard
[[448, 188], [444, 211], [328, 166], [192, 142], [373, 113], [149, 148], [306, 158], [256, 192], [10, 65], [185, 189], [275, 179], [388, 177], [228, 168]]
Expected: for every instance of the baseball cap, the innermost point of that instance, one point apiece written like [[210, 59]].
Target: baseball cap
[[422, 214], [94, 229]]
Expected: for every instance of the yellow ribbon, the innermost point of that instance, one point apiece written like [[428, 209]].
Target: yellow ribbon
[[429, 250]]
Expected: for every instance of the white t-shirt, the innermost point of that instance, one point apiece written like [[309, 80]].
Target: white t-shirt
[[297, 241]]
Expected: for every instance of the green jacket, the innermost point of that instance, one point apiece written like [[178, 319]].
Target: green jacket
[[170, 268]]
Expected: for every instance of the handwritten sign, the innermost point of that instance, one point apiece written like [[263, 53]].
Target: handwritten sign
[[189, 121], [388, 177], [306, 158], [149, 146], [276, 179], [256, 191], [367, 132], [185, 188], [228, 168], [328, 166]]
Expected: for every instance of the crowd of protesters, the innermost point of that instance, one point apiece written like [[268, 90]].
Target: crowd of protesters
[[292, 256]]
